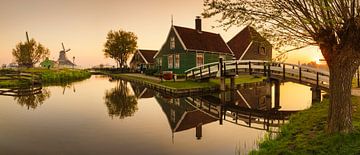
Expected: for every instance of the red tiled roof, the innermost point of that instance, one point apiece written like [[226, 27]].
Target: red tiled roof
[[148, 55], [241, 41], [205, 41]]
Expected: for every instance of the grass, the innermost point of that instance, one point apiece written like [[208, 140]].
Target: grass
[[191, 84], [305, 134], [48, 77]]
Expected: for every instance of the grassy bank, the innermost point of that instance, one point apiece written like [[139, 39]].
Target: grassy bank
[[305, 134], [60, 75], [190, 84], [48, 77]]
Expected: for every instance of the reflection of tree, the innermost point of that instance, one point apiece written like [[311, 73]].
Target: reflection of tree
[[119, 102], [32, 99]]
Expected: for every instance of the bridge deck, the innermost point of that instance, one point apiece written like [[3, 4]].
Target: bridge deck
[[285, 71]]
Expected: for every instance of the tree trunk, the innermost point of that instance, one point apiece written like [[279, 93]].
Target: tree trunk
[[340, 109]]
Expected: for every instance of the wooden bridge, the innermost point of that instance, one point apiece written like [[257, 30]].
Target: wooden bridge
[[278, 70]]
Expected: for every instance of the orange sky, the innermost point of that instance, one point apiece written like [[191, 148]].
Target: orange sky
[[83, 24]]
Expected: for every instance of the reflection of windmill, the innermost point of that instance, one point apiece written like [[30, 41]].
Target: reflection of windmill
[[63, 60]]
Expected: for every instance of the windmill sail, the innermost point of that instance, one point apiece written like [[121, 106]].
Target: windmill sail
[[63, 60]]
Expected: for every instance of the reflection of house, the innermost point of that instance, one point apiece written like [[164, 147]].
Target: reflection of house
[[143, 59], [183, 116], [258, 98], [142, 92], [250, 45], [186, 48]]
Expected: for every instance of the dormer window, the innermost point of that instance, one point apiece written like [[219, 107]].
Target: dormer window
[[172, 43]]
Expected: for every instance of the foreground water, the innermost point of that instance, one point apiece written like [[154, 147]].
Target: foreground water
[[100, 116]]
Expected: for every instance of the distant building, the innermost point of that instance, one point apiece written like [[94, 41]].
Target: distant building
[[185, 48], [143, 59], [13, 65], [48, 63], [248, 44]]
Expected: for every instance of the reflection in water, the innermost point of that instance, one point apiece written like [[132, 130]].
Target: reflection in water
[[119, 101], [32, 100], [258, 107]]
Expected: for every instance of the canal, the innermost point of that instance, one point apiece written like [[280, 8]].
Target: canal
[[104, 116]]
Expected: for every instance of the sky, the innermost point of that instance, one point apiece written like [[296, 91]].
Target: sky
[[83, 25]]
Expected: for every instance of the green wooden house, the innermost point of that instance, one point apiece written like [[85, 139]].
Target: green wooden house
[[186, 48], [48, 63], [248, 44], [143, 59]]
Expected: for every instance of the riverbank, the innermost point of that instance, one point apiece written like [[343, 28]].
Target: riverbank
[[305, 134], [184, 86], [26, 77]]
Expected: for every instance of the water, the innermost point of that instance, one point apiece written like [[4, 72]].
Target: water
[[98, 116]]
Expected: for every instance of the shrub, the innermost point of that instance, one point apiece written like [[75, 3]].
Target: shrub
[[150, 72], [168, 76]]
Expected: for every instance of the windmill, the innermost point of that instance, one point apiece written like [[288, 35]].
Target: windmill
[[63, 60]]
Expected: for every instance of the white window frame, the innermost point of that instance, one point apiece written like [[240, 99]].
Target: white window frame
[[198, 55], [177, 61], [170, 59], [172, 42]]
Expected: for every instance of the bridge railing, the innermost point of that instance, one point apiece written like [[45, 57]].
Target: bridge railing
[[266, 68]]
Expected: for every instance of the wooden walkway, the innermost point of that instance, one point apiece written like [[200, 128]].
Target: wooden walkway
[[279, 70]]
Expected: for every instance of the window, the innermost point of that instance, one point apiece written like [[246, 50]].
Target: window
[[172, 43], [199, 59], [160, 61], [262, 51], [170, 61], [177, 61]]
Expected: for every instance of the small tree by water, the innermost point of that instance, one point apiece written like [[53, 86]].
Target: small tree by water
[[120, 45]]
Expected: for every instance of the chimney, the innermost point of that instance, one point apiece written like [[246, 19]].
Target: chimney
[[198, 23]]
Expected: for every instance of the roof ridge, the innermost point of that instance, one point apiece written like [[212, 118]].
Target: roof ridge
[[195, 29]]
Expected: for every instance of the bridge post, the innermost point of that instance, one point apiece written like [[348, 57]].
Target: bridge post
[[358, 78], [222, 76], [316, 94], [283, 71], [277, 94], [198, 132], [232, 83]]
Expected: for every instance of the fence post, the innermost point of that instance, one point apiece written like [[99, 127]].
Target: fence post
[[236, 68], [209, 70], [220, 67], [269, 70], [264, 69], [200, 72], [250, 71], [224, 69]]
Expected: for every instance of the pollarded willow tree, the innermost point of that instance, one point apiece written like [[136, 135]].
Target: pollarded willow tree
[[333, 25]]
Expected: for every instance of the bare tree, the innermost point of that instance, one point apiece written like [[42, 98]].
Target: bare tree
[[333, 25]]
